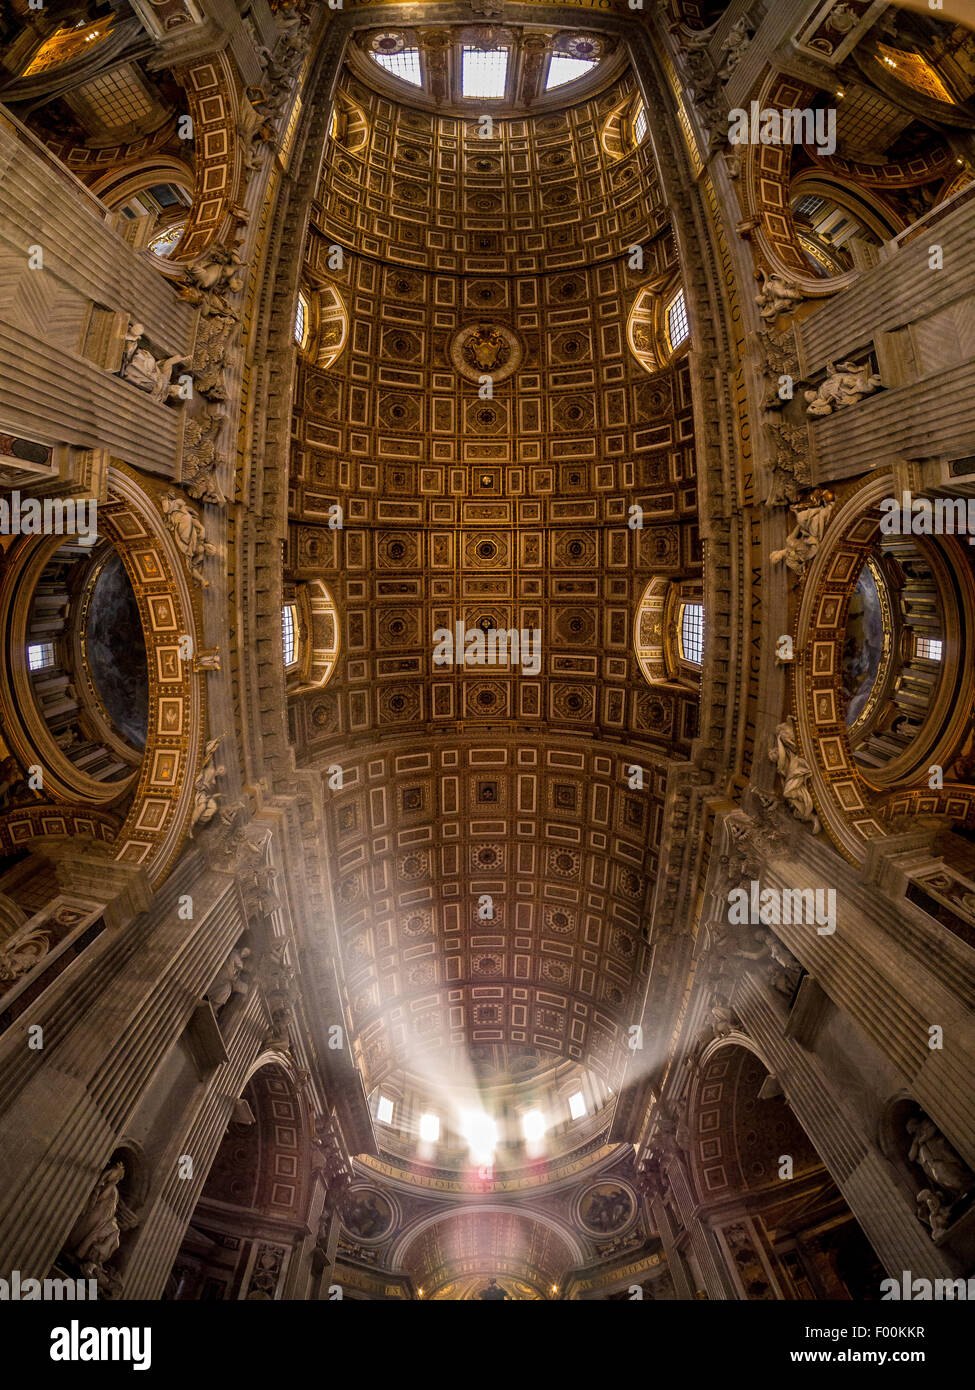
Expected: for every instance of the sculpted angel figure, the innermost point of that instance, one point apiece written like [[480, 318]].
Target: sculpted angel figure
[[734, 46], [233, 978], [219, 269], [932, 1211], [932, 1153], [206, 798]]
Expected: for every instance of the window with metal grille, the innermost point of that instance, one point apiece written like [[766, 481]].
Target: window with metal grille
[[692, 633], [928, 648], [641, 126], [405, 64], [117, 98], [678, 328], [40, 655], [563, 69], [300, 320], [289, 634], [483, 72]]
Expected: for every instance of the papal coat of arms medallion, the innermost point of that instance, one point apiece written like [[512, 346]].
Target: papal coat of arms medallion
[[485, 349]]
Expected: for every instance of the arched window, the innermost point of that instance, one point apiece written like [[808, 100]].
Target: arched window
[[309, 636], [321, 325], [691, 630], [301, 320], [640, 125], [396, 57], [678, 327], [289, 634]]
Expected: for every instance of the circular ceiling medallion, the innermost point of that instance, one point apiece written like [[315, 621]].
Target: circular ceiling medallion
[[367, 1214], [605, 1208], [485, 349]]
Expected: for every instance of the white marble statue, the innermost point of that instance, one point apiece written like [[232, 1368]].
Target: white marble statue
[[932, 1211], [187, 529], [145, 371], [219, 268], [796, 775], [933, 1154], [735, 46], [722, 1021], [233, 978], [206, 798], [805, 538], [846, 384], [94, 1238], [777, 296]]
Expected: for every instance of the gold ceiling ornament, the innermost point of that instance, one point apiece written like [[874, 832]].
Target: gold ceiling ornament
[[486, 349]]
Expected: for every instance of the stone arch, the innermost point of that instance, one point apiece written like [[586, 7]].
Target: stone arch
[[480, 1242]]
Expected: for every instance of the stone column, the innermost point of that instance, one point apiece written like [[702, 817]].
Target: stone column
[[660, 1218], [108, 1022], [897, 973], [701, 1239]]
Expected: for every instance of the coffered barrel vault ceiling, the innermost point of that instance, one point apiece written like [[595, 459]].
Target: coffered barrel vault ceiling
[[566, 854], [509, 254]]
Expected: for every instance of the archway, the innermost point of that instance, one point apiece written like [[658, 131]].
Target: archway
[[252, 1212], [782, 1225]]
